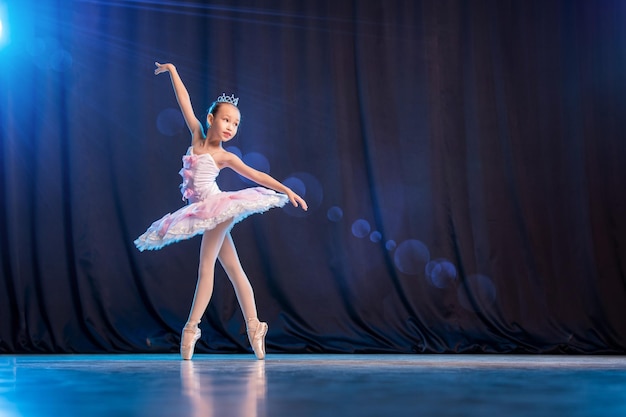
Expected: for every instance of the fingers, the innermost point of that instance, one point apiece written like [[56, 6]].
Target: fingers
[[160, 68], [297, 200]]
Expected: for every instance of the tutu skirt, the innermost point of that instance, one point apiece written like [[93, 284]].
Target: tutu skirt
[[202, 215]]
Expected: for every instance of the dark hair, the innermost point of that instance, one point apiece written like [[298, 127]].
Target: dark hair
[[213, 109]]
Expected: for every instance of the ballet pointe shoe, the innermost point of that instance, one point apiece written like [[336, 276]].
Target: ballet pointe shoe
[[256, 335], [191, 334]]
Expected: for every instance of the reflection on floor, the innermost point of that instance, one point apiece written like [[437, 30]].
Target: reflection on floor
[[312, 385]]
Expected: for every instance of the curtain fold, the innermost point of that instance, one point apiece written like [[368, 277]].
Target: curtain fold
[[463, 163]]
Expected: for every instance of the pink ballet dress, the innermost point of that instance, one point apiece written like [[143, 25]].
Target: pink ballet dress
[[208, 205]]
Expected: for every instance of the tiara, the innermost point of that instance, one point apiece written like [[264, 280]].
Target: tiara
[[225, 99]]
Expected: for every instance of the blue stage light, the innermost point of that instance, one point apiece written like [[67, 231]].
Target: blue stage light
[[4, 26]]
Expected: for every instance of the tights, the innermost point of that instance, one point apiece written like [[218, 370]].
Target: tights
[[216, 244]]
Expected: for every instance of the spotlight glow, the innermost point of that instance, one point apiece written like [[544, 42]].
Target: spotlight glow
[[4, 25]]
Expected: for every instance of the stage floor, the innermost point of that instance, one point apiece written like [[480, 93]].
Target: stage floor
[[312, 385]]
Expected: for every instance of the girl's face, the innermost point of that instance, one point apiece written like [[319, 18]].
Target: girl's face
[[225, 122]]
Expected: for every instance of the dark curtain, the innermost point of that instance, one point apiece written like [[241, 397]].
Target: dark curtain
[[463, 162]]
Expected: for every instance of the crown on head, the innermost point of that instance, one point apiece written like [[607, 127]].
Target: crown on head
[[225, 99]]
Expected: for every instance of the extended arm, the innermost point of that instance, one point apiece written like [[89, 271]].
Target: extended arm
[[227, 159], [182, 97]]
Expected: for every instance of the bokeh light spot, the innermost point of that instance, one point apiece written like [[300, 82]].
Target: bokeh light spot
[[360, 228], [61, 60], [235, 150], [477, 293], [312, 193], [296, 185], [257, 161], [441, 272], [334, 214], [411, 256], [47, 54], [170, 122], [390, 245], [375, 236], [41, 47]]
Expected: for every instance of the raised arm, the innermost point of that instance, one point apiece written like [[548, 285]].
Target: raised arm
[[182, 97]]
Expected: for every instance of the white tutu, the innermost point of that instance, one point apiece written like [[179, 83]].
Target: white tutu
[[209, 206]]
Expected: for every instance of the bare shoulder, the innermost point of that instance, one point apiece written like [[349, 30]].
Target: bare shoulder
[[224, 158]]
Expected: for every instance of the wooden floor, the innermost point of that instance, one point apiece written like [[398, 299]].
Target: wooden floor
[[312, 385]]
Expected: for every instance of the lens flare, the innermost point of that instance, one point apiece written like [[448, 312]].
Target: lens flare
[[4, 28]]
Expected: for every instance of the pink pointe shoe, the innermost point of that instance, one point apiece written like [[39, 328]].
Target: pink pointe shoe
[[191, 334], [256, 336]]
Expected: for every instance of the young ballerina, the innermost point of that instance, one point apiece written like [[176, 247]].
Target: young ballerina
[[212, 212]]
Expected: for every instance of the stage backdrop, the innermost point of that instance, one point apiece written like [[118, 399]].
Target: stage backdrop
[[463, 162]]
